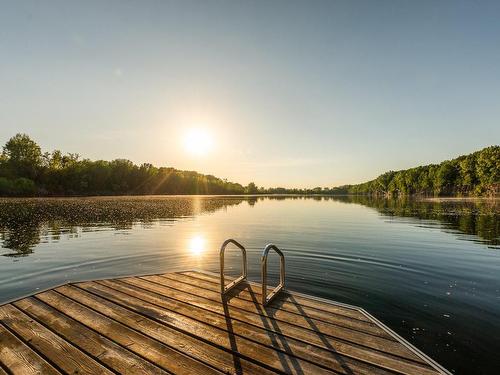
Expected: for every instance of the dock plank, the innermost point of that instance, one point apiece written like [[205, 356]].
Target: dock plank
[[196, 348], [251, 312], [263, 355], [289, 346], [178, 323], [100, 348], [274, 311], [296, 300], [19, 358], [155, 352], [261, 331], [351, 318], [61, 353]]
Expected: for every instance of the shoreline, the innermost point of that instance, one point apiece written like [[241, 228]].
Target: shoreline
[[451, 199], [412, 197]]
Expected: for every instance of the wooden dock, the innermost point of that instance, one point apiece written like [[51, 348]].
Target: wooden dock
[[177, 323]]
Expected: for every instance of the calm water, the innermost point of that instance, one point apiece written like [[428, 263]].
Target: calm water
[[430, 270]]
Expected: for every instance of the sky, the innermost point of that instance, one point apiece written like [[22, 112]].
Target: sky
[[289, 93]]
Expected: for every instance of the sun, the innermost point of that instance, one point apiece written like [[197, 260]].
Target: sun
[[198, 142]]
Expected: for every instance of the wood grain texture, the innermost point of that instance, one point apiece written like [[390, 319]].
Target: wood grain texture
[[265, 356], [302, 343], [302, 327], [187, 344], [61, 353], [349, 318], [19, 358], [305, 303], [155, 352], [276, 312], [289, 346], [99, 347], [178, 323]]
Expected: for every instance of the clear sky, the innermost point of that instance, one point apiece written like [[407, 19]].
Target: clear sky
[[310, 93]]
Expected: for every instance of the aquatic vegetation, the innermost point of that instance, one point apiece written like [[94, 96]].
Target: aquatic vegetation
[[23, 220]]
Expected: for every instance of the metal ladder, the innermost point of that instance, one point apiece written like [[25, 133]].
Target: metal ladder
[[266, 299]]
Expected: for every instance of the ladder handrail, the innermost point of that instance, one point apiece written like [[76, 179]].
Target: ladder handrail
[[265, 299], [223, 288]]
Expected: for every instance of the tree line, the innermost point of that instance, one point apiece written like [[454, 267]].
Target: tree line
[[27, 171], [475, 174]]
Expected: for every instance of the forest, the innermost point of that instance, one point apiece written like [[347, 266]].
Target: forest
[[475, 174], [27, 171]]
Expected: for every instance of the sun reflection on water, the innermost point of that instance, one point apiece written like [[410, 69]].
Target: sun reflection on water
[[196, 245]]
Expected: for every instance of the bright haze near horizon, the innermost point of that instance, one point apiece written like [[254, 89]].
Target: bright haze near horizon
[[282, 93]]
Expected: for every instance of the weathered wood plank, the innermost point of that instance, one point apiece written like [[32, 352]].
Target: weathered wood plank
[[285, 333], [61, 353], [273, 312], [189, 345], [304, 302], [19, 358], [246, 348], [290, 347], [178, 323], [200, 297], [315, 316], [100, 348], [285, 302], [157, 353]]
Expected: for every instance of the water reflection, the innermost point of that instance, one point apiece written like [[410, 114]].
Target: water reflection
[[476, 218], [197, 245], [24, 223], [473, 217]]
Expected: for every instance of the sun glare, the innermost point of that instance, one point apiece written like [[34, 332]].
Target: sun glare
[[198, 142], [196, 245]]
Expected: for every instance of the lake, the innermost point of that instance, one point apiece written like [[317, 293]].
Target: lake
[[428, 269]]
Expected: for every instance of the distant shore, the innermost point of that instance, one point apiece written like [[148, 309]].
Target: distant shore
[[412, 197], [439, 199]]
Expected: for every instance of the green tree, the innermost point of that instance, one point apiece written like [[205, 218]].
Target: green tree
[[445, 177], [6, 186], [56, 160], [23, 155], [467, 172], [488, 166], [381, 184], [24, 186], [251, 188]]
